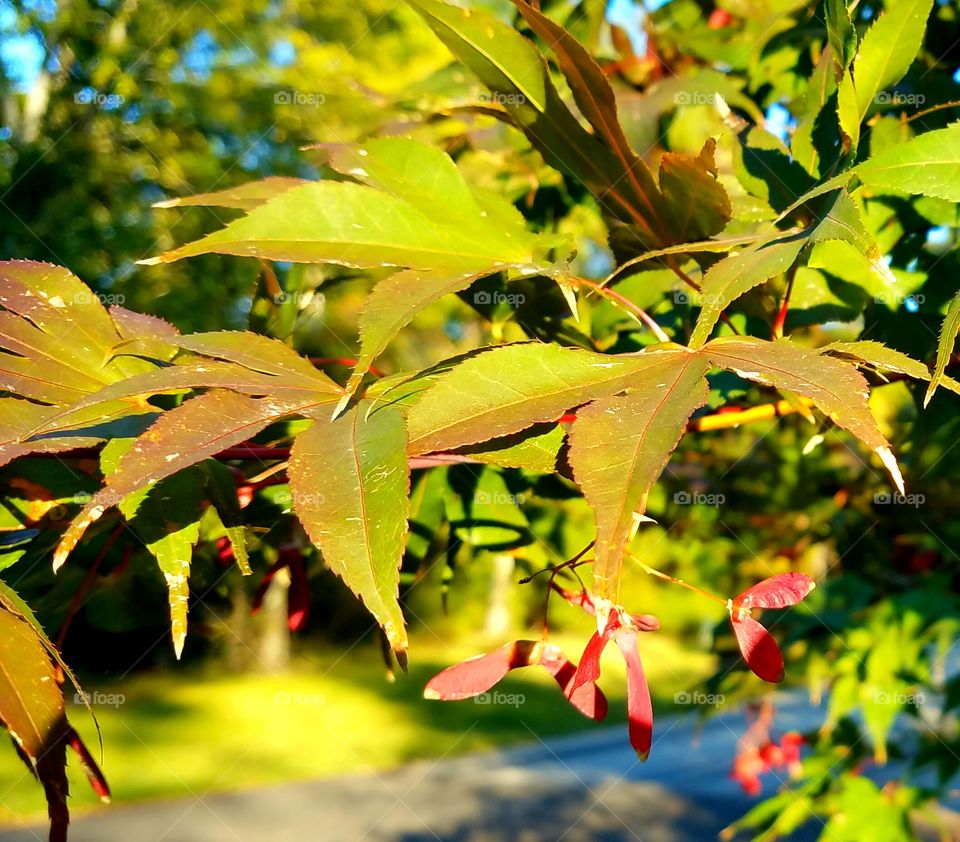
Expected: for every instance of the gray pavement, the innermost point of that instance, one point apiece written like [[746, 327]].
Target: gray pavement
[[586, 787]]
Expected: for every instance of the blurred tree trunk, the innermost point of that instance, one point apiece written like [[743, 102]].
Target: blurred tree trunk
[[498, 623], [238, 637], [273, 634]]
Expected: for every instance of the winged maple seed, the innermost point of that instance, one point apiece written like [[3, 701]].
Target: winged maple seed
[[579, 683], [615, 623], [479, 674], [98, 783], [758, 753], [757, 645], [752, 761]]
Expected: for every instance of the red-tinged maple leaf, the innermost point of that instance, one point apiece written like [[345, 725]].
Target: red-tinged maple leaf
[[719, 18], [622, 628], [225, 555], [790, 750], [245, 495], [753, 760], [757, 645], [758, 753], [97, 781], [298, 598], [479, 674], [748, 765]]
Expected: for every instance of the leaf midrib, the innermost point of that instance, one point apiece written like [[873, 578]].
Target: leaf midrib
[[540, 395], [26, 712]]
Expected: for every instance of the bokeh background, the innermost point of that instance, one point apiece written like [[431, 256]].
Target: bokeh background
[[108, 107]]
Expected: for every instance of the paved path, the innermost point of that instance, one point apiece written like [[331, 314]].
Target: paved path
[[575, 789]]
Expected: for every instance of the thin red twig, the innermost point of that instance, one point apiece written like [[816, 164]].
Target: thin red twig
[[86, 584]]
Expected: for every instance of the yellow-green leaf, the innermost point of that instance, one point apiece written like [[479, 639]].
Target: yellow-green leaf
[[836, 387], [507, 389], [352, 225], [243, 197], [620, 445], [948, 336], [182, 437], [349, 482]]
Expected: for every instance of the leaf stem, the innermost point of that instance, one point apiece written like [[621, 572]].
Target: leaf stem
[[953, 104], [570, 564], [623, 303], [347, 361], [270, 282], [729, 417], [87, 583], [667, 577], [777, 332]]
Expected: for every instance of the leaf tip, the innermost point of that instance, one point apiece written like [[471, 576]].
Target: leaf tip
[[341, 406], [150, 261], [890, 463], [570, 296], [431, 694], [883, 270], [59, 559], [401, 656]]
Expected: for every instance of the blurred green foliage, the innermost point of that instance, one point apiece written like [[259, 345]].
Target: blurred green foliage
[[210, 101]]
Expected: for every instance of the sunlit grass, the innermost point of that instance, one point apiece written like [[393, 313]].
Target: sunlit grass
[[188, 732]]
